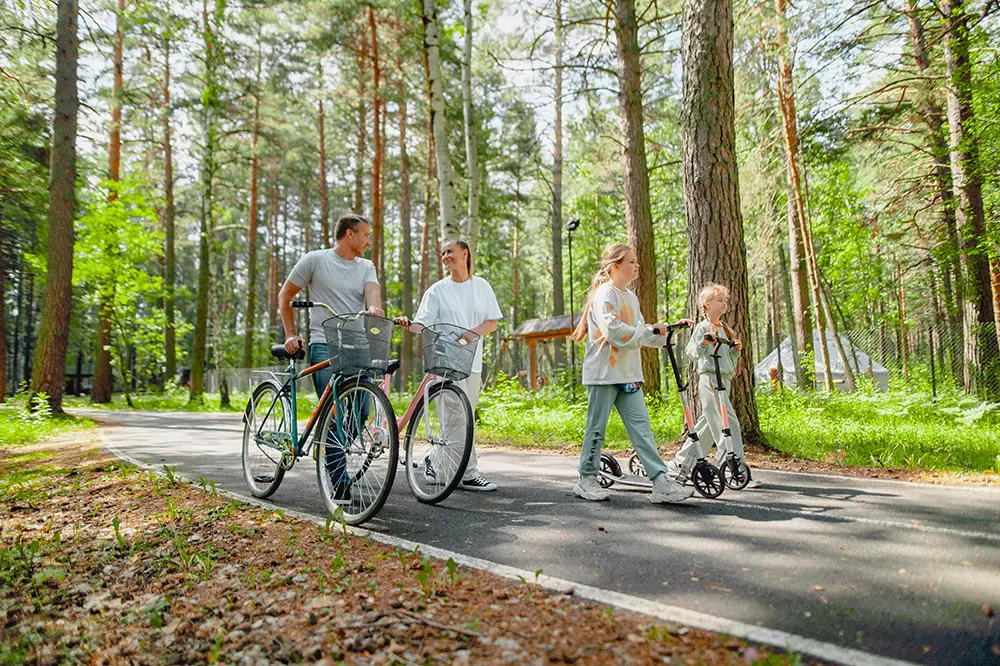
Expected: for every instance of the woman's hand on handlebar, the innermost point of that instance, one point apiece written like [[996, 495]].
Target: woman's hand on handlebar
[[293, 343]]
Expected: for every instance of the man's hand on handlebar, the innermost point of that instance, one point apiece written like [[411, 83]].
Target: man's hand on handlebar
[[293, 343], [377, 311]]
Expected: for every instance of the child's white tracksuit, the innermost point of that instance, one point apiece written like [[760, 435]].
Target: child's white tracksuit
[[713, 401]]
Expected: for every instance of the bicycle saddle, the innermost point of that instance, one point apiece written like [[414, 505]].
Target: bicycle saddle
[[392, 367], [279, 352]]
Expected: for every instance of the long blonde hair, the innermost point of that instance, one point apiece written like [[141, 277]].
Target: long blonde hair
[[706, 294], [612, 256]]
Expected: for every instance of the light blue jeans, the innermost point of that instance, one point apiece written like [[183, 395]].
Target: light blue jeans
[[336, 454], [632, 408]]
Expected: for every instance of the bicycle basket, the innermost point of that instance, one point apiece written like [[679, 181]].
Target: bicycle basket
[[358, 343], [449, 351]]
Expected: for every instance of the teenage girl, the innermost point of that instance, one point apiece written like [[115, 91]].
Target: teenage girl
[[713, 302], [612, 372]]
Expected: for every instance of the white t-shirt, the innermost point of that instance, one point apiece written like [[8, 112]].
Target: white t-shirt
[[338, 282], [467, 304]]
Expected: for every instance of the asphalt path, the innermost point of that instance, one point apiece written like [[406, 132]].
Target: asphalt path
[[895, 569]]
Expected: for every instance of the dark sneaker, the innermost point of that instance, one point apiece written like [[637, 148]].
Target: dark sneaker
[[478, 484], [430, 475], [342, 494]]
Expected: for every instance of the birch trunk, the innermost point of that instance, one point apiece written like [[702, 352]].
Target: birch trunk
[[429, 222], [558, 297], [170, 259], [359, 160], [378, 149], [324, 196], [251, 312], [406, 274], [638, 212], [471, 157], [446, 180]]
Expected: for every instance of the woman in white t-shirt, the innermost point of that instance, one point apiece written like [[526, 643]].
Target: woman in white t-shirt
[[465, 300]]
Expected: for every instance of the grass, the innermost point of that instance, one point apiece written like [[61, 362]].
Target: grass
[[177, 400], [19, 427], [899, 428]]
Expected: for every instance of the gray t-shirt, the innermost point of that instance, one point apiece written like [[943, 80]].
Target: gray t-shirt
[[335, 281]]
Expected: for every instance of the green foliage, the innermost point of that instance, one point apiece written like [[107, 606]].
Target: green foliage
[[21, 425]]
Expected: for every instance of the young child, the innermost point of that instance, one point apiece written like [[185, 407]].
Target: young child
[[612, 372], [713, 301]]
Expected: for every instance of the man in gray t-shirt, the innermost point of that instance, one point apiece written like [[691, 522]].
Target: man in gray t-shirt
[[346, 281]]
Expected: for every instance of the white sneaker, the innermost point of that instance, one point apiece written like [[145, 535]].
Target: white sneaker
[[589, 489], [754, 483], [668, 491]]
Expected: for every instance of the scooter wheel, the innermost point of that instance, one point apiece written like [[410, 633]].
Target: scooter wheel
[[635, 467], [707, 480], [735, 473], [609, 468]]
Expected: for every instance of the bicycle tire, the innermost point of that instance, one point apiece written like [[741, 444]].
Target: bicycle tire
[[379, 441], [436, 457], [263, 470]]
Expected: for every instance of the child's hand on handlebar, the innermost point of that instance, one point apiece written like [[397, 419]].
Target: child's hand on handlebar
[[709, 339], [293, 343], [737, 344]]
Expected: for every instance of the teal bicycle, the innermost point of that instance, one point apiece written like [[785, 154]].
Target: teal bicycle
[[352, 433]]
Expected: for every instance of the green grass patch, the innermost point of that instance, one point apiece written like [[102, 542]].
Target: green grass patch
[[178, 401], [19, 427]]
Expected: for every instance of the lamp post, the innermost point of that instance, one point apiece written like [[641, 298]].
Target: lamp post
[[572, 226]]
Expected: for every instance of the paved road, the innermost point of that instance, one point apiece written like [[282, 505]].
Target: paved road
[[894, 569]]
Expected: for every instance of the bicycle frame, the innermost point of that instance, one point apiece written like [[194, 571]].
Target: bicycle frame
[[288, 388]]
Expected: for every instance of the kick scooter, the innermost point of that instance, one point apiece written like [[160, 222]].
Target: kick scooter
[[735, 472], [705, 477]]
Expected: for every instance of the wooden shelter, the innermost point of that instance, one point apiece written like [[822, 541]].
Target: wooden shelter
[[533, 331]]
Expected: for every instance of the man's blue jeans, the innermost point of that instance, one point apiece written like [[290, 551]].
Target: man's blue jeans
[[353, 419]]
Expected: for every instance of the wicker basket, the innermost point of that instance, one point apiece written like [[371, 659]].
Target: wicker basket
[[449, 351], [358, 343]]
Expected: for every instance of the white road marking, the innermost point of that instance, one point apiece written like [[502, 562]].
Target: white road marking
[[674, 614]]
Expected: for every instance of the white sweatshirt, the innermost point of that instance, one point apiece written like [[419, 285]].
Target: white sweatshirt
[[616, 334]]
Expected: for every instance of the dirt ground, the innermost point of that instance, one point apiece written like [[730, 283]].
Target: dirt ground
[[105, 564]]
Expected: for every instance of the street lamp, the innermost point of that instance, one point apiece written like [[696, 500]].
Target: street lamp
[[572, 226]]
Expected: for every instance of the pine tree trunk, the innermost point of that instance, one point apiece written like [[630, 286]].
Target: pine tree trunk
[[378, 148], [948, 249], [471, 158], [969, 213], [792, 320], [359, 160], [3, 319], [50, 354], [995, 289], [210, 103], [448, 227], [406, 272], [324, 197], [103, 380], [786, 104], [272, 256], [31, 311], [716, 247], [558, 297], [251, 311], [169, 233], [638, 212], [429, 221]]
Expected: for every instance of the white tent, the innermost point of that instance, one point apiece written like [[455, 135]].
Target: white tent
[[855, 358]]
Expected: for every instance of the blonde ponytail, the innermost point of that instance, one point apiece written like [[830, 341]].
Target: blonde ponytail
[[612, 255]]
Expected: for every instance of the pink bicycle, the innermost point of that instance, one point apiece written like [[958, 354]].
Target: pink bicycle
[[439, 420]]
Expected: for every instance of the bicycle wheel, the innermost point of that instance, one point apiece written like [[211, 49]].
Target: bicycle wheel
[[438, 443], [356, 462], [266, 431]]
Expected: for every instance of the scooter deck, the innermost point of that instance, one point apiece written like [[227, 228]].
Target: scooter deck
[[628, 480]]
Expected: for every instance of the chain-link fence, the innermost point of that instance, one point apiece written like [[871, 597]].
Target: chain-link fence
[[927, 357]]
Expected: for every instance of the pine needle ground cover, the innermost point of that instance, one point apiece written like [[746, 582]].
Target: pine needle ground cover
[[103, 563]]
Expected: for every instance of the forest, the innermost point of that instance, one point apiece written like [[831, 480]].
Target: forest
[[836, 164]]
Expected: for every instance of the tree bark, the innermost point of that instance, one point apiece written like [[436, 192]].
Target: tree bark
[[429, 222], [471, 157], [103, 380], [995, 288], [324, 197], [210, 104], [638, 212], [446, 180], [716, 247], [406, 272], [359, 160], [169, 232], [3, 320], [786, 105], [558, 297], [50, 355], [378, 148], [251, 311], [969, 213], [791, 320], [272, 255]]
